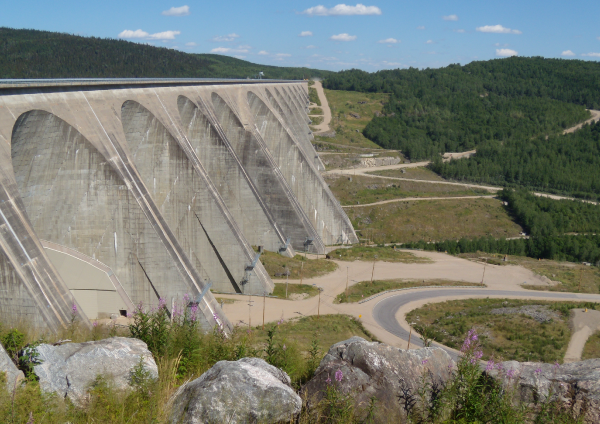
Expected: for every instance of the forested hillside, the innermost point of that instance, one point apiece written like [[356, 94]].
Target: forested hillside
[[458, 108], [565, 164], [42, 54]]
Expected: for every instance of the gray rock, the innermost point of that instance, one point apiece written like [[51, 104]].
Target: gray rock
[[372, 369], [12, 374], [70, 369], [244, 391], [575, 385]]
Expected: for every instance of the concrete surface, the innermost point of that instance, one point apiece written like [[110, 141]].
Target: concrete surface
[[168, 184]]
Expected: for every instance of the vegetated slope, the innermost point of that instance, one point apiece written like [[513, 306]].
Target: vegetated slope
[[43, 54], [567, 163], [457, 108], [542, 216]]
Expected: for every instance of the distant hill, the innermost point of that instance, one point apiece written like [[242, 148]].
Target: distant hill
[[41, 54]]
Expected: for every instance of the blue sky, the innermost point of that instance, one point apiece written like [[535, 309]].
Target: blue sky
[[373, 35]]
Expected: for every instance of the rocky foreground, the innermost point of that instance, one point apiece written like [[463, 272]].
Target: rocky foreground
[[251, 390]]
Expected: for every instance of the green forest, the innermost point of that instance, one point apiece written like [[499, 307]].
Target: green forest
[[457, 108], [43, 54], [564, 164]]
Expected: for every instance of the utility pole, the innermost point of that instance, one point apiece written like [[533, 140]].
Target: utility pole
[[319, 306], [373, 272], [264, 303], [409, 334], [347, 277], [249, 313]]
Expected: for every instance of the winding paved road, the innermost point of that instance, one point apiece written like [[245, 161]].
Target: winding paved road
[[389, 312]]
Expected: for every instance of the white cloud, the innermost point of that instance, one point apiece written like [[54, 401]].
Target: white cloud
[[305, 34], [506, 52], [343, 37], [591, 54], [421, 27], [263, 53], [429, 42], [310, 47], [450, 18], [497, 29], [343, 10], [567, 53], [191, 44], [389, 41], [244, 47], [228, 50], [177, 11], [283, 55], [460, 31], [225, 38], [140, 34]]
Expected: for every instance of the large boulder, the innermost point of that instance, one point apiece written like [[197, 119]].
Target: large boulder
[[575, 385], [372, 369], [244, 391], [70, 369], [11, 373]]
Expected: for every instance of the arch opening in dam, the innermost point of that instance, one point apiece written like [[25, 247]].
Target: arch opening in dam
[[74, 199]]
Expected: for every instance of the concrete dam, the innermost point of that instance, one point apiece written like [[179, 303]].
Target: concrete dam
[[120, 192]]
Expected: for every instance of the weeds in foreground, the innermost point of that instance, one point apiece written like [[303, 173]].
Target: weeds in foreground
[[471, 395]]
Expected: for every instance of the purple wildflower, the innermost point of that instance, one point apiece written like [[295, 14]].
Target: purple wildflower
[[280, 321], [424, 361], [194, 313], [328, 381], [339, 375], [478, 354], [499, 367], [186, 299], [510, 373], [215, 316], [162, 303], [74, 309], [490, 365], [538, 370], [95, 324]]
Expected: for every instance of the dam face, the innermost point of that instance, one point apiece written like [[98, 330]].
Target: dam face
[[118, 193]]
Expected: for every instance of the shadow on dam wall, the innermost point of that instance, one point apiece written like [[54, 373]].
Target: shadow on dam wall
[[116, 195]]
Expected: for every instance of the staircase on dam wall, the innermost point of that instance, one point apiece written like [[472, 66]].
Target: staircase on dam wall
[[115, 194]]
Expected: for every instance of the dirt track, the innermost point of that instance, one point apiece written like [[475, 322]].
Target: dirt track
[[595, 118], [323, 126]]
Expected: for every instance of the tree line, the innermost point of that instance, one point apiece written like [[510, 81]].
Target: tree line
[[41, 54], [558, 229], [457, 108], [563, 164]]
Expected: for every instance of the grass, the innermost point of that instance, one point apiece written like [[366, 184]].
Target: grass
[[503, 337], [433, 220], [316, 111], [386, 254], [316, 120], [419, 173], [313, 96], [277, 266], [326, 330], [354, 190], [591, 350], [342, 103], [295, 290], [365, 289]]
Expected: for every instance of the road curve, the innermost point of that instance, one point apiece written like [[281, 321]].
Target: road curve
[[385, 311]]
